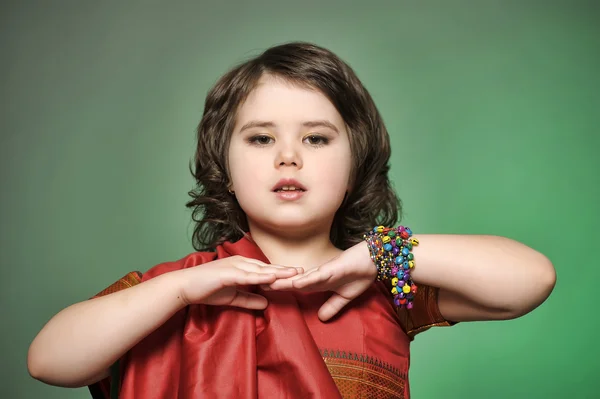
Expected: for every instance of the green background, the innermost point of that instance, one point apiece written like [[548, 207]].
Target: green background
[[493, 108]]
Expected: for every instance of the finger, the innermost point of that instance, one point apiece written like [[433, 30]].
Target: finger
[[279, 272], [249, 300], [242, 277], [287, 284], [254, 261], [263, 264], [284, 284], [298, 269], [318, 277], [332, 306]]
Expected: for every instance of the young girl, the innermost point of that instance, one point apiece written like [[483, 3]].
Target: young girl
[[294, 291]]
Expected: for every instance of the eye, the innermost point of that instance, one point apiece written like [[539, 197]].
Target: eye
[[260, 139], [317, 140]]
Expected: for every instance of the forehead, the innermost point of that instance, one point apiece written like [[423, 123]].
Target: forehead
[[275, 99]]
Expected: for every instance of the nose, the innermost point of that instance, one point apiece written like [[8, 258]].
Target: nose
[[288, 155]]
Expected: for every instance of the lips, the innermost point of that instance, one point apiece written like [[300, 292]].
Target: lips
[[287, 185]]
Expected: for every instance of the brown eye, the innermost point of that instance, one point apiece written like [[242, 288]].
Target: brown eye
[[317, 140], [260, 140]]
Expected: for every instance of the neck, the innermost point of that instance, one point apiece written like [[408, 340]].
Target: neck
[[305, 250]]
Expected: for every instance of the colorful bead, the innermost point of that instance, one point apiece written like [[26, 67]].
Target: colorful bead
[[390, 250]]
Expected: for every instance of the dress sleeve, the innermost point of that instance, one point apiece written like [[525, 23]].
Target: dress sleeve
[[128, 280], [424, 314], [101, 389]]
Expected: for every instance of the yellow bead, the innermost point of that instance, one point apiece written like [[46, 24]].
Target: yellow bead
[[414, 241], [386, 239], [395, 290], [395, 281], [406, 289], [411, 264], [380, 229]]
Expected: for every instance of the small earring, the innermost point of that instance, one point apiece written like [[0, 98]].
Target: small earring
[[231, 192]]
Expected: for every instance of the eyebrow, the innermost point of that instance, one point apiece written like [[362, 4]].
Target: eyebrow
[[266, 124]]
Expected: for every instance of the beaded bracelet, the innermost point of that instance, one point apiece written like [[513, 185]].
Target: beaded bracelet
[[390, 251]]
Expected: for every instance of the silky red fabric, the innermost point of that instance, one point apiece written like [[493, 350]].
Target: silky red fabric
[[226, 352]]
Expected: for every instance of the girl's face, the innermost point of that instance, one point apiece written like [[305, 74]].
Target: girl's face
[[289, 158]]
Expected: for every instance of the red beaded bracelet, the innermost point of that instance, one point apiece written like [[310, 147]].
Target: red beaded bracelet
[[391, 252]]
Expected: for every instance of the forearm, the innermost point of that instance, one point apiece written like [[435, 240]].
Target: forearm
[[83, 340], [494, 272]]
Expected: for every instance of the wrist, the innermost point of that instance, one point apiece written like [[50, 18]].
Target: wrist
[[172, 286], [391, 252], [366, 259]]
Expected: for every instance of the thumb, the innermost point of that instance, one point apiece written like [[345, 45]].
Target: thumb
[[248, 300], [332, 306]]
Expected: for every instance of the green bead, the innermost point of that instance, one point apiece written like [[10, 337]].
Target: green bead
[[399, 241], [410, 256], [391, 233], [409, 245]]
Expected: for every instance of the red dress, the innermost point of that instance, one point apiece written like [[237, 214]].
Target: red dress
[[284, 351]]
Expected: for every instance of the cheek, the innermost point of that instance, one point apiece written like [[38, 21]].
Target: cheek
[[335, 169], [244, 167]]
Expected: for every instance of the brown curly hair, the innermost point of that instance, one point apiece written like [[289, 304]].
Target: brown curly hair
[[217, 215]]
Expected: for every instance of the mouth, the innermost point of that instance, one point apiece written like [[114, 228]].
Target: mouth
[[288, 185], [288, 189]]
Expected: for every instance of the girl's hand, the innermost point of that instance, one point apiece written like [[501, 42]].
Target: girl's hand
[[218, 282], [347, 275]]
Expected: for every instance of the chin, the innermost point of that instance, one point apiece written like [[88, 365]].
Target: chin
[[291, 224]]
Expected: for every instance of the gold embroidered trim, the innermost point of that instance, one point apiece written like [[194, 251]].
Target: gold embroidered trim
[[417, 330], [127, 281], [362, 376]]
